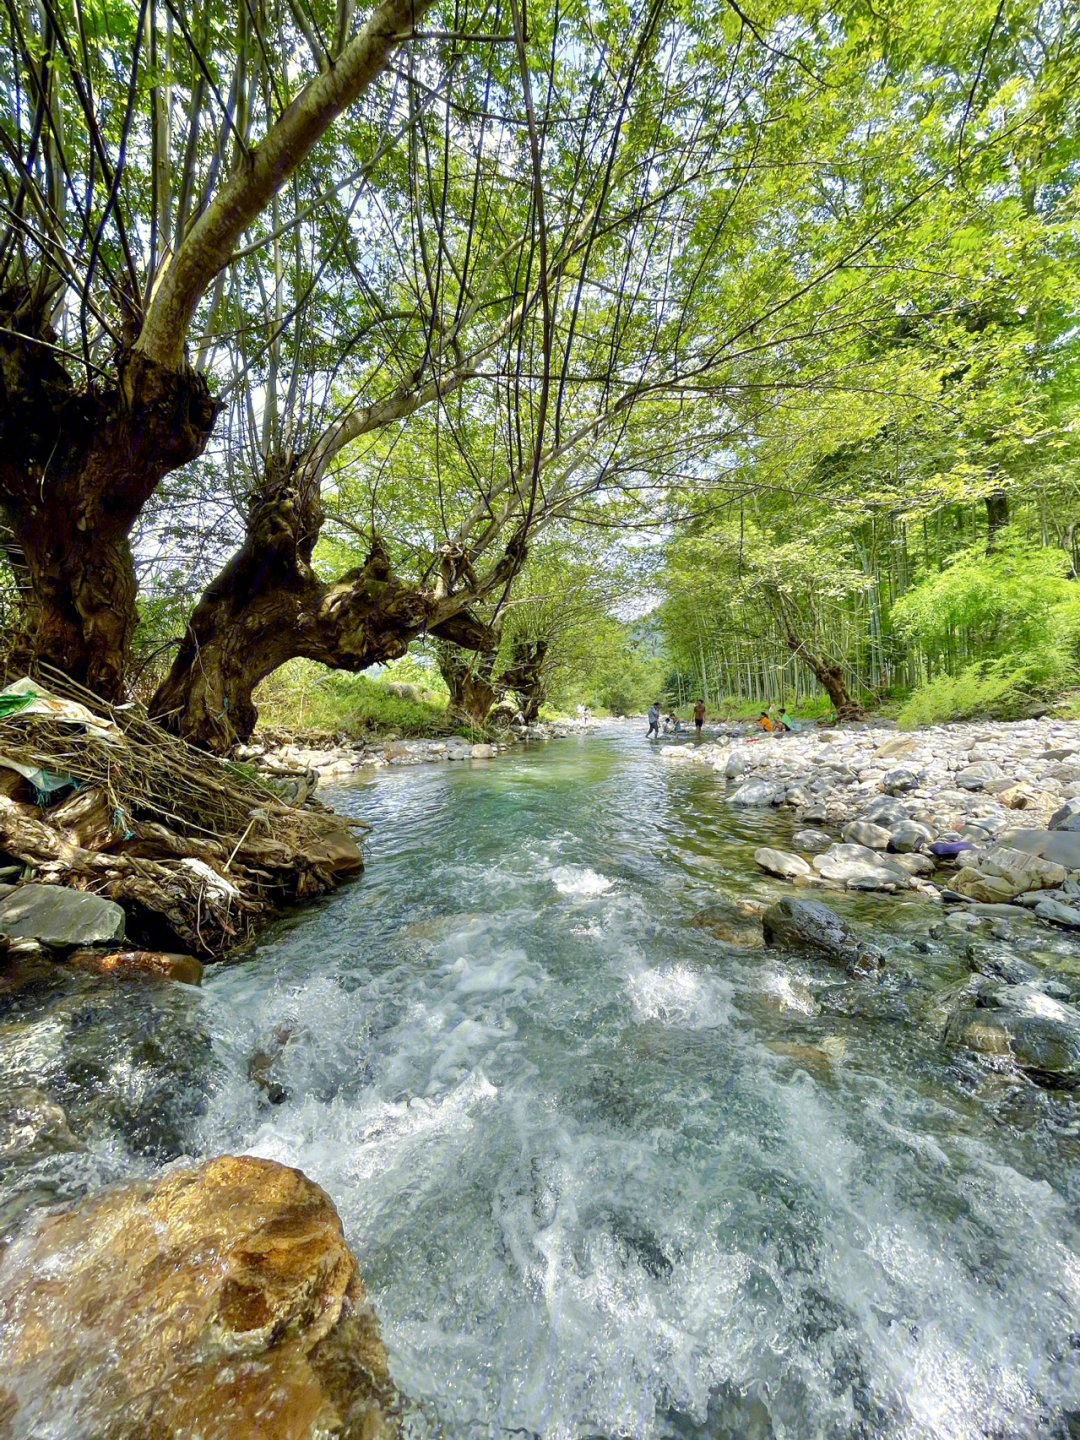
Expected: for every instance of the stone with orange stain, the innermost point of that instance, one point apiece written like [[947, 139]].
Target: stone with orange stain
[[221, 1302], [128, 963]]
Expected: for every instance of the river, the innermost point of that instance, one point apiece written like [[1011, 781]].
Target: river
[[607, 1175]]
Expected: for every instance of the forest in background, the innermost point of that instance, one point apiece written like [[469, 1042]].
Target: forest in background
[[588, 350]]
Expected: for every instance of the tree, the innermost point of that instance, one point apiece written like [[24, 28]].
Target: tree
[[81, 283], [552, 275]]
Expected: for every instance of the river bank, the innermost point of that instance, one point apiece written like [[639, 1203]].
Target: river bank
[[609, 1164], [326, 762]]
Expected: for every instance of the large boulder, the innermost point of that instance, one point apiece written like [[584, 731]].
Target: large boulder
[[974, 885], [220, 1302], [1040, 1034], [860, 868], [1060, 847], [793, 924], [59, 917], [781, 863], [756, 792]]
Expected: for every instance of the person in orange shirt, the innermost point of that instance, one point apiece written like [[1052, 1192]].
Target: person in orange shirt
[[764, 723]]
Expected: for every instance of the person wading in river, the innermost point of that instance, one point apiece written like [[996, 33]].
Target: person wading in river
[[654, 721], [699, 717]]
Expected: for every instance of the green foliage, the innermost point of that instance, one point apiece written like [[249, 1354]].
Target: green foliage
[[305, 696], [624, 679], [978, 691], [1013, 605]]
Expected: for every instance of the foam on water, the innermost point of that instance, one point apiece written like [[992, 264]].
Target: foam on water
[[575, 880]]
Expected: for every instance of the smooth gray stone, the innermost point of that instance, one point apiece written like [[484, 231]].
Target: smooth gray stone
[[908, 836], [781, 863], [59, 917], [812, 840], [755, 792], [974, 777], [885, 810], [865, 832], [1058, 914], [899, 780]]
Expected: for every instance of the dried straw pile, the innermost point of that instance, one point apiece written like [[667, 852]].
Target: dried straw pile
[[194, 848]]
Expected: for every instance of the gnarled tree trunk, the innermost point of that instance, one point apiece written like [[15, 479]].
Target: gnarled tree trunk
[[470, 681], [268, 606], [527, 677], [77, 465], [831, 677]]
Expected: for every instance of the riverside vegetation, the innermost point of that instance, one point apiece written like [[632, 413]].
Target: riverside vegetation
[[583, 354]]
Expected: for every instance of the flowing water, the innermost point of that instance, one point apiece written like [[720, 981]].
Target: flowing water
[[606, 1174]]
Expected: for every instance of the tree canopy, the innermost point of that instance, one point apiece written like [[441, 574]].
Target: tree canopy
[[325, 329]]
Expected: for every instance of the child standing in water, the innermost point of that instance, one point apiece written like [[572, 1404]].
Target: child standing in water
[[654, 721], [699, 716]]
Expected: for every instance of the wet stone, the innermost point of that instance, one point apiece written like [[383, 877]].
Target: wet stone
[[60, 917], [807, 924], [811, 840], [225, 1304]]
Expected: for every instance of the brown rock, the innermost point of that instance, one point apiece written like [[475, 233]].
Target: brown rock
[[991, 889], [220, 1302], [127, 963], [1016, 797], [338, 850]]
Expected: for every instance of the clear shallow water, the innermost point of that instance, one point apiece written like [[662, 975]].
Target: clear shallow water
[[605, 1174]]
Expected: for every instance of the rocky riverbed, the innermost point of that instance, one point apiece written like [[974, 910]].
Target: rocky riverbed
[[617, 1012], [981, 815]]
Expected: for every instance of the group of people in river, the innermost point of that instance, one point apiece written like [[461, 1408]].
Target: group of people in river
[[779, 722], [671, 722]]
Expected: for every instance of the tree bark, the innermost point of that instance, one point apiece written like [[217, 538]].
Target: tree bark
[[470, 681], [268, 606], [76, 467], [997, 516], [527, 677]]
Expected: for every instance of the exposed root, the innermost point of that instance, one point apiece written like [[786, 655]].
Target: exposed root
[[196, 849]]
